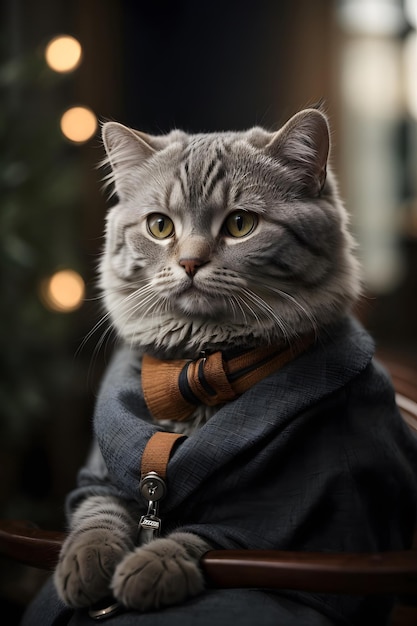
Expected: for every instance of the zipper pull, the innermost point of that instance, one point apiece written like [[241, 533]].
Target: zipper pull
[[153, 489]]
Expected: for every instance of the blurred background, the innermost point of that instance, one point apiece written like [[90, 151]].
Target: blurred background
[[227, 64]]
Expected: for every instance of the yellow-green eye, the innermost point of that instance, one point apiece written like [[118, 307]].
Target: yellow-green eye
[[160, 226], [240, 223]]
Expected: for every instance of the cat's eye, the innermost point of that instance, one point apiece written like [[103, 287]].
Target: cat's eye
[[160, 226], [240, 224]]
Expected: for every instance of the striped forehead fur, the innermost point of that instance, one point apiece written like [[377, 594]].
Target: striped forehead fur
[[202, 167]]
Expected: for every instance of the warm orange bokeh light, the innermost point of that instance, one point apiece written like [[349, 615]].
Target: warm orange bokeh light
[[63, 53], [64, 291], [78, 124]]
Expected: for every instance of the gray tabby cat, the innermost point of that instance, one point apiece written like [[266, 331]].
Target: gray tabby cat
[[218, 240]]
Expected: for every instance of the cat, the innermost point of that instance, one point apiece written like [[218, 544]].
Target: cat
[[217, 241]]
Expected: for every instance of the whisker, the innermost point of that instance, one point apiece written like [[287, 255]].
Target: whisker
[[232, 304], [150, 305], [238, 299], [287, 296], [268, 310], [250, 308], [90, 334], [106, 318]]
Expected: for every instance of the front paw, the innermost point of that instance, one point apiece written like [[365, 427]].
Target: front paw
[[158, 574], [86, 566]]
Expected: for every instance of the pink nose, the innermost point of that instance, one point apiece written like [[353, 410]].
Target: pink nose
[[191, 265]]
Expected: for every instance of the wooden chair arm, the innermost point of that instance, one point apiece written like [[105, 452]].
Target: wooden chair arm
[[24, 542], [354, 573], [362, 573]]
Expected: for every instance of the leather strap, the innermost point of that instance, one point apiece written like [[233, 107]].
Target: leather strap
[[173, 388], [157, 453]]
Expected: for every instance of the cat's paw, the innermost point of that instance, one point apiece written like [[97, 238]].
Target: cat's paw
[[86, 565], [158, 574]]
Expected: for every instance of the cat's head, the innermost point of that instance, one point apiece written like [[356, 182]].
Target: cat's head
[[225, 238]]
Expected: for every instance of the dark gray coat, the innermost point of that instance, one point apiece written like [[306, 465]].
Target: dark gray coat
[[314, 457]]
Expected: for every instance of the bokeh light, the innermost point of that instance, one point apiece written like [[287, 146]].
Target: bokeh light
[[63, 291], [63, 53], [372, 17], [78, 124]]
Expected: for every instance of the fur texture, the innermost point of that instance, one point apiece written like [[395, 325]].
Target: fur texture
[[218, 240]]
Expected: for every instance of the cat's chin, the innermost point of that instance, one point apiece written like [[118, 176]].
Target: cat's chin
[[196, 304]]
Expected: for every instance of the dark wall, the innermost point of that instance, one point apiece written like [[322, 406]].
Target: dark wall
[[223, 65], [202, 66]]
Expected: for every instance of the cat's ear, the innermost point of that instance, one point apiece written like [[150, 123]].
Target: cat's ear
[[303, 144], [123, 144], [127, 149]]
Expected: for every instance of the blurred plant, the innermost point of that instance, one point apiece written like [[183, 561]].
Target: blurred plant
[[39, 220]]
